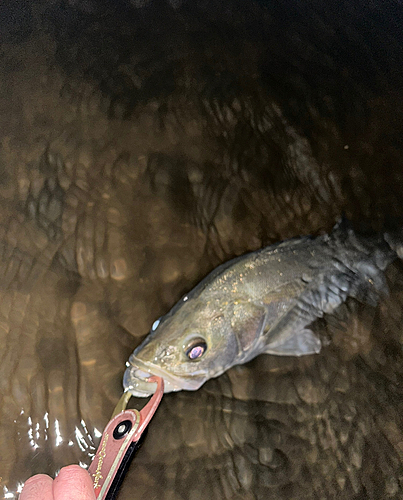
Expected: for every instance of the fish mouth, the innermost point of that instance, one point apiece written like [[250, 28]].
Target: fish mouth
[[135, 379]]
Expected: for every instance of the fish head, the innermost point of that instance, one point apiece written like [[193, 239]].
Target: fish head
[[196, 341]]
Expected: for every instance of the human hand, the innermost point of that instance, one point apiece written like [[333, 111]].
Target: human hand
[[72, 483]]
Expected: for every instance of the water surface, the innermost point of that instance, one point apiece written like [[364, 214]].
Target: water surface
[[141, 146]]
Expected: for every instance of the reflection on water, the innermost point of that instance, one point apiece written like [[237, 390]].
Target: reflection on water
[[141, 147]]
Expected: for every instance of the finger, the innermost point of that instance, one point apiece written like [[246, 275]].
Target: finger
[[73, 483], [37, 487]]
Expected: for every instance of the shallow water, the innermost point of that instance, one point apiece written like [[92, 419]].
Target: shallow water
[[141, 147]]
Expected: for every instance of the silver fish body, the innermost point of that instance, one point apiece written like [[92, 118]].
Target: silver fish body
[[262, 302]]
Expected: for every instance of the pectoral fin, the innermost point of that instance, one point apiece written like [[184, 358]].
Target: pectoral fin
[[290, 335], [301, 343], [248, 322]]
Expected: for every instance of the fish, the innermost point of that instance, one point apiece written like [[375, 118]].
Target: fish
[[262, 302]]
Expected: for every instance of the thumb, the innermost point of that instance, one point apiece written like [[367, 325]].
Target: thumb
[[73, 483]]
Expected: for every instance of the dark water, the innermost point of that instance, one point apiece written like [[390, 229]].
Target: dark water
[[144, 143]]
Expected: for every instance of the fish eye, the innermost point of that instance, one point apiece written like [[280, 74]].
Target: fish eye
[[196, 348]]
